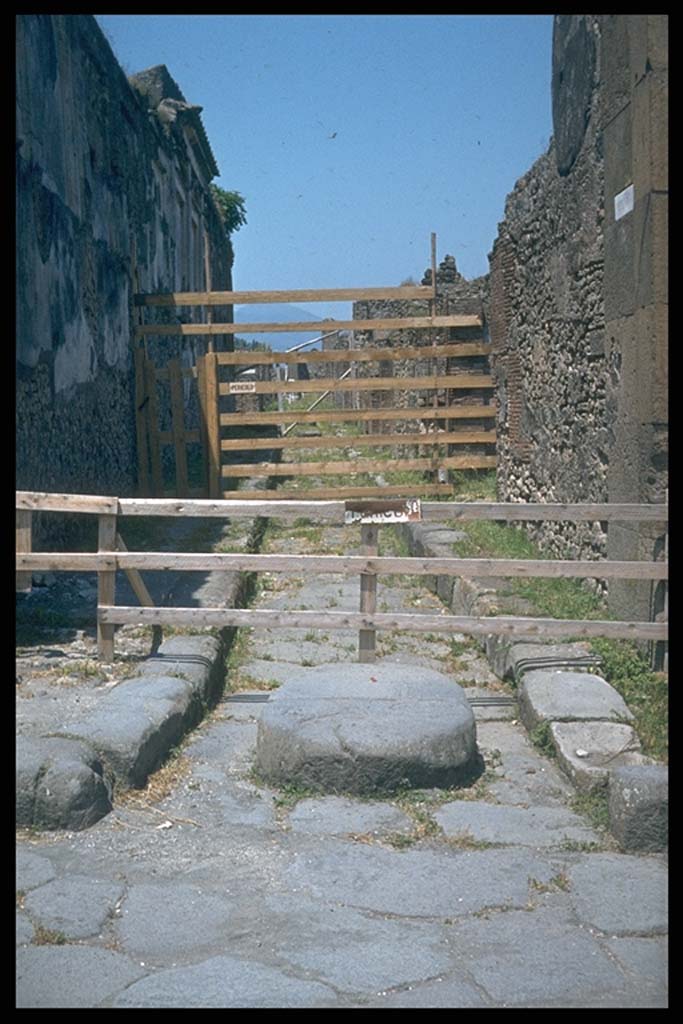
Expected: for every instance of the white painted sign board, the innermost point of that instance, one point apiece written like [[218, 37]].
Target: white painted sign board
[[623, 202]]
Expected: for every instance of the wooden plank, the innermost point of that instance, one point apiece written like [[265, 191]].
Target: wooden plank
[[191, 437], [455, 412], [540, 512], [211, 298], [204, 413], [493, 626], [457, 381], [134, 578], [392, 324], [368, 562], [178, 428], [152, 409], [369, 539], [213, 425], [363, 440], [436, 511], [402, 490], [356, 355], [356, 466], [324, 510], [141, 422], [41, 501], [186, 372], [23, 542], [106, 587]]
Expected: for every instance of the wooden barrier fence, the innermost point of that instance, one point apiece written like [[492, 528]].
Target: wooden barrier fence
[[112, 556], [438, 459]]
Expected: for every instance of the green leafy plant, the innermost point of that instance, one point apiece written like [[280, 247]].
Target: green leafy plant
[[231, 207]]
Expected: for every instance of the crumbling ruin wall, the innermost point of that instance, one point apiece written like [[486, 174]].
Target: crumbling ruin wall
[[577, 303], [112, 197], [545, 309]]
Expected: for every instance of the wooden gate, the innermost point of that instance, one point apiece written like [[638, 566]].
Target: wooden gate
[[442, 433]]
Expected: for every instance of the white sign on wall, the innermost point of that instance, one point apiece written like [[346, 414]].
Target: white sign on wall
[[623, 202]]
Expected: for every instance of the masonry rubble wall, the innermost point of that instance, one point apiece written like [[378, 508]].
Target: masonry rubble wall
[[577, 299], [112, 197]]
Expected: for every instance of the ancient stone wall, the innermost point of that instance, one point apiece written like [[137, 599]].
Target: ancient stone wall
[[577, 300], [112, 197], [545, 309]]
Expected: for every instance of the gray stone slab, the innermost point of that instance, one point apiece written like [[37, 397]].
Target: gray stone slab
[[507, 657], [224, 742], [418, 883], [24, 929], [52, 977], [559, 696], [524, 957], [268, 672], [60, 783], [357, 954], [360, 728], [32, 870], [225, 982], [493, 823], [639, 807], [243, 706], [76, 906], [198, 659], [453, 993], [338, 816], [621, 894], [162, 921], [645, 960], [303, 652], [138, 722], [588, 751]]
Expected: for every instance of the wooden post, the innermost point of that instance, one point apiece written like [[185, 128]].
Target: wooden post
[[368, 592], [152, 410], [23, 543], [207, 275], [141, 401], [106, 587], [178, 429], [213, 430]]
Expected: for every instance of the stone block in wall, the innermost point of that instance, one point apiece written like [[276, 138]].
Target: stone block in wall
[[617, 144], [574, 60], [652, 352], [619, 279], [651, 253], [632, 599], [649, 44], [651, 138], [615, 65]]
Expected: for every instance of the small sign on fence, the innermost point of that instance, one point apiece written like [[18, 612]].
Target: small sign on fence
[[244, 387], [401, 511]]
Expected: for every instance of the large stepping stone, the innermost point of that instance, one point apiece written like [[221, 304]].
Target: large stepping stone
[[365, 728]]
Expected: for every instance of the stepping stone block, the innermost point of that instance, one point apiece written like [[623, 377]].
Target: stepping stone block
[[588, 751], [354, 728], [547, 695], [639, 807]]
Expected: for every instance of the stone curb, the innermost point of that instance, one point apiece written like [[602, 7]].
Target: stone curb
[[67, 780], [608, 754]]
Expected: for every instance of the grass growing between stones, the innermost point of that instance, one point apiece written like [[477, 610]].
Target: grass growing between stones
[[542, 739], [47, 937], [646, 692], [594, 806], [552, 598]]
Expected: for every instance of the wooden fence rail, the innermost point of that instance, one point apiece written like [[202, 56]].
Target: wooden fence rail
[[112, 556]]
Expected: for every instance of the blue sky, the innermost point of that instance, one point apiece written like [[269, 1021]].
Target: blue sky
[[353, 137]]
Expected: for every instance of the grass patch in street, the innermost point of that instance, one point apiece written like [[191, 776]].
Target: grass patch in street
[[646, 692], [594, 806]]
